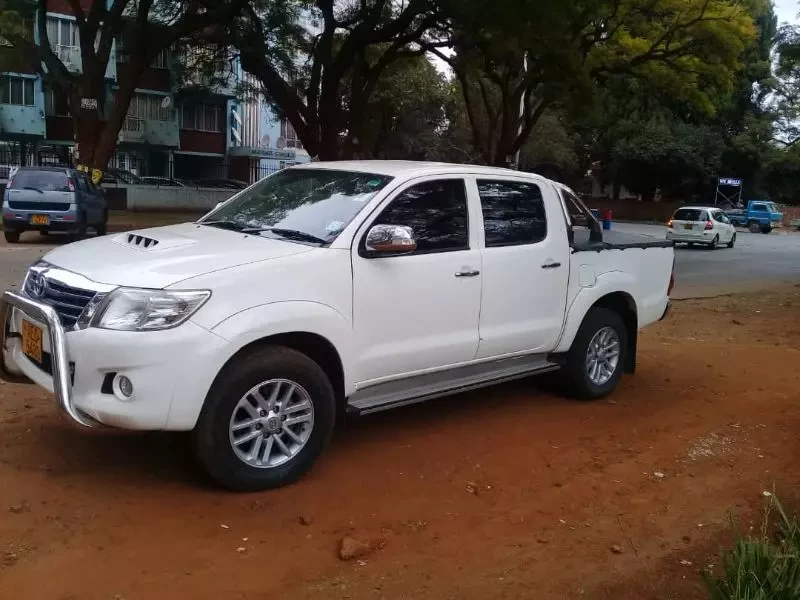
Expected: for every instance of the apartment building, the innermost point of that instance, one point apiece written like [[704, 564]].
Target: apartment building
[[173, 129]]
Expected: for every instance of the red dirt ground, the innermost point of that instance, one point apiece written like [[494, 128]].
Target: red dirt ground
[[510, 492]]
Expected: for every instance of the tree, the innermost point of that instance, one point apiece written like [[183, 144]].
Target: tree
[[404, 117], [321, 76], [145, 28], [524, 56]]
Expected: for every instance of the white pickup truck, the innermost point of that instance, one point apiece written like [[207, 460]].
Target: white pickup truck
[[326, 289]]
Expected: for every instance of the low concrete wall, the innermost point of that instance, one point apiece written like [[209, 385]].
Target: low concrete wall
[[153, 198]]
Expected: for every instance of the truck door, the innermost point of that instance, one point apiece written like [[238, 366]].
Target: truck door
[[525, 267], [418, 310]]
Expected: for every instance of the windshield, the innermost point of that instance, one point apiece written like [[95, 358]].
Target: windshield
[[44, 181], [317, 203], [771, 207]]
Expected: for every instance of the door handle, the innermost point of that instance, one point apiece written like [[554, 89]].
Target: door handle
[[551, 265], [468, 273]]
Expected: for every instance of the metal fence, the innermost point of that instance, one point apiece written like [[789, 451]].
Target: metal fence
[[160, 168]]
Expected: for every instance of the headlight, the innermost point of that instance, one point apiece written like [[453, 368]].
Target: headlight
[[130, 309]]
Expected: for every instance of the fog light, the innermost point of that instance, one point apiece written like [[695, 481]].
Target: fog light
[[123, 387]]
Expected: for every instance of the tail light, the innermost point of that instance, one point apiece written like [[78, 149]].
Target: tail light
[[70, 184], [709, 225]]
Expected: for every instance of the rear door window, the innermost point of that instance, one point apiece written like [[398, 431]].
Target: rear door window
[[513, 213], [689, 214], [42, 181]]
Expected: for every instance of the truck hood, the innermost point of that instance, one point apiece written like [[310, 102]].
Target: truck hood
[[162, 256]]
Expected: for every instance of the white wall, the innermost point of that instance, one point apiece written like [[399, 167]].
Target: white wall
[[154, 198]]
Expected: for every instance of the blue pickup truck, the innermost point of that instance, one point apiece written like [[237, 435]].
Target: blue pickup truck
[[760, 215]]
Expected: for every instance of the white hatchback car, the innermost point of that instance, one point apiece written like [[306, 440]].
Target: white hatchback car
[[704, 225]]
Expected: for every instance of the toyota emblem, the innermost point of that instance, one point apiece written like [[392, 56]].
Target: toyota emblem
[[37, 285]]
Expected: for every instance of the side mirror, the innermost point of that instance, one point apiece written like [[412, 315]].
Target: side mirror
[[580, 220], [390, 239]]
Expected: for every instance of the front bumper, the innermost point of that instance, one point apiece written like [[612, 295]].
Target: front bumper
[[171, 370], [62, 386]]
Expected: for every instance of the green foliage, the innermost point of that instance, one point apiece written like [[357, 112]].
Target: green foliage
[[766, 567]]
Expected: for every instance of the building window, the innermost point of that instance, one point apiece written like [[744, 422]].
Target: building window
[[289, 135], [202, 117], [55, 103], [162, 60], [63, 36], [16, 90], [148, 106]]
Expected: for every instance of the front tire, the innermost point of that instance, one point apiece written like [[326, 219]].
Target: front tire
[[766, 229], [597, 357], [265, 421]]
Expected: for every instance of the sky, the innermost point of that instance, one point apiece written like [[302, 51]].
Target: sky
[[787, 11]]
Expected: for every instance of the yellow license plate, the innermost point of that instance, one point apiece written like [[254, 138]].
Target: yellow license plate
[[40, 220], [687, 226], [32, 341]]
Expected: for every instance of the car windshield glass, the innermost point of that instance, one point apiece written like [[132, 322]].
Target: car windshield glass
[[688, 214], [317, 203], [44, 181], [771, 207]]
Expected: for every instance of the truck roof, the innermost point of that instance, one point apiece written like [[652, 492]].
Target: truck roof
[[410, 168]]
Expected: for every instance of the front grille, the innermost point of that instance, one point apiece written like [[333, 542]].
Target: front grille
[[68, 301], [25, 205]]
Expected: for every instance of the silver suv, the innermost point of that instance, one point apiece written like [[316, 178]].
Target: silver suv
[[52, 199]]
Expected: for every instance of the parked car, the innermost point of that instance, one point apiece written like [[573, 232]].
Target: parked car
[[703, 225], [121, 176], [760, 215], [163, 181], [52, 199], [230, 184], [332, 287]]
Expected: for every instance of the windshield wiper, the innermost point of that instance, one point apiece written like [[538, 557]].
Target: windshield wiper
[[229, 225], [292, 234]]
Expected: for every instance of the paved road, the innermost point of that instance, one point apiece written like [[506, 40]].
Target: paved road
[[758, 260]]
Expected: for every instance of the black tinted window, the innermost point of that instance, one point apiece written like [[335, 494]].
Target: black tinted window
[[436, 211], [44, 181], [760, 207], [513, 213], [689, 214]]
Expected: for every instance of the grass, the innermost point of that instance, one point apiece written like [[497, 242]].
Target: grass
[[763, 567]]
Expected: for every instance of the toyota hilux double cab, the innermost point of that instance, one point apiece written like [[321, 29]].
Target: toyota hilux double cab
[[327, 289]]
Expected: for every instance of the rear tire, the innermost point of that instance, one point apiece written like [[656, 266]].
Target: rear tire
[[732, 243], [239, 466], [579, 369], [714, 242], [12, 237], [754, 226], [80, 234], [102, 227]]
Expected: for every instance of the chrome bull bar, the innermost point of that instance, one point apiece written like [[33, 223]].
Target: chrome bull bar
[[62, 385]]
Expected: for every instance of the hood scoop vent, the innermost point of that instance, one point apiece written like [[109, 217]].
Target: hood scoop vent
[[141, 241], [153, 240]]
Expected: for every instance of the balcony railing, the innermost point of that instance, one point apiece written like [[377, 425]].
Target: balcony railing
[[133, 125]]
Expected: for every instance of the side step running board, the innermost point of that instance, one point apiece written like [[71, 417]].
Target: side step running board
[[385, 396]]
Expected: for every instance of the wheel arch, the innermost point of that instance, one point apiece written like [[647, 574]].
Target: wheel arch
[[621, 302]]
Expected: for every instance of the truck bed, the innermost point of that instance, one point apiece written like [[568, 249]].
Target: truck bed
[[615, 240]]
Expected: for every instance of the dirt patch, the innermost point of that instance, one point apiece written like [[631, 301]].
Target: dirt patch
[[511, 492]]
